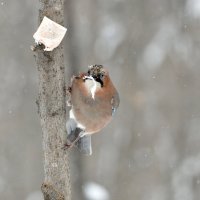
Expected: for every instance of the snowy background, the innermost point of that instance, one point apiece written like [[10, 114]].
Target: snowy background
[[151, 150]]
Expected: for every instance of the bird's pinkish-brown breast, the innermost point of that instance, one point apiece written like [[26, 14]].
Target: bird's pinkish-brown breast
[[94, 114]]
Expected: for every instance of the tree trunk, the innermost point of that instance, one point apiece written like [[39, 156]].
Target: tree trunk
[[52, 110]]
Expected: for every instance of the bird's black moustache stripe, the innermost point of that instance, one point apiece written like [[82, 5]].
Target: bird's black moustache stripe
[[97, 79]]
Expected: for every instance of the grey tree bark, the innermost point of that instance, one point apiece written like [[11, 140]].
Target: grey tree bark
[[52, 110]]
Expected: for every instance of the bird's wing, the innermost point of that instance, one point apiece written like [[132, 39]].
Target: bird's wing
[[115, 103]]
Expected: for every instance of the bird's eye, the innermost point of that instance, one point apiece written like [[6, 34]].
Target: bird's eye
[[101, 76]]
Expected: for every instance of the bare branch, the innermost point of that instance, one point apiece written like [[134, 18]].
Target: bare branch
[[52, 110]]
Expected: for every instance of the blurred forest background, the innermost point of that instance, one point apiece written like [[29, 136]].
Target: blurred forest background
[[151, 150]]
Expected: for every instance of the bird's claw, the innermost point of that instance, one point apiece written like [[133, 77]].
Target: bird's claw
[[67, 146]]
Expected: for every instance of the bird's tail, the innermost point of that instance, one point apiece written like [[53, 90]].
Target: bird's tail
[[83, 143]]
